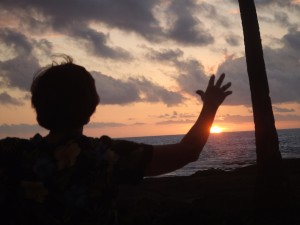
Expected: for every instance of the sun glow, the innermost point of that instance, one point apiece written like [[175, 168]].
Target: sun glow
[[216, 130]]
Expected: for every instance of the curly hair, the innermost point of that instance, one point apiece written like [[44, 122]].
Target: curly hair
[[64, 96]]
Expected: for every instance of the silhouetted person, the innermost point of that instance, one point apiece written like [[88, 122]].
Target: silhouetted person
[[68, 178]]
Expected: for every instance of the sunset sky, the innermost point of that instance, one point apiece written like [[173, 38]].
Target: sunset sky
[[148, 57]]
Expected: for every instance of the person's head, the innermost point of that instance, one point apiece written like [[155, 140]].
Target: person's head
[[64, 96]]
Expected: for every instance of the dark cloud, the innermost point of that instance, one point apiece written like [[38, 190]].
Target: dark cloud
[[236, 72], [165, 55], [152, 92], [187, 28], [290, 5], [207, 10], [175, 115], [116, 91], [96, 43], [246, 119], [18, 71], [292, 43], [138, 124], [233, 40], [128, 15], [282, 68], [190, 72], [65, 17], [176, 118], [15, 40], [32, 129], [102, 124], [278, 9], [284, 110], [267, 3], [182, 121], [279, 17], [191, 76], [16, 129], [134, 16], [282, 18], [280, 117], [278, 2], [6, 99]]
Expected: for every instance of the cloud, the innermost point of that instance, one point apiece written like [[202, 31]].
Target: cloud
[[182, 121], [15, 129], [6, 99], [208, 10], [96, 43], [18, 71], [102, 124], [175, 114], [152, 92], [115, 91], [281, 3], [280, 117], [277, 2], [126, 14], [165, 55], [233, 40], [282, 66], [132, 16], [67, 16], [234, 119], [283, 12], [31, 129], [176, 118], [238, 119], [186, 28], [280, 18], [236, 72], [190, 72], [132, 90], [284, 110]]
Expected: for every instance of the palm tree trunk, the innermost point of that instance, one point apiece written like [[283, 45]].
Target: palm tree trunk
[[270, 177]]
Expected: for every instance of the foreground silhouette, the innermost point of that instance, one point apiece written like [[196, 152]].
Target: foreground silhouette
[[210, 197], [272, 191], [68, 178]]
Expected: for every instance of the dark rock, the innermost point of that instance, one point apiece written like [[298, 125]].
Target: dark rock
[[206, 197]]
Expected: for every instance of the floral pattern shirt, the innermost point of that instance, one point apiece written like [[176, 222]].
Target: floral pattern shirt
[[71, 183]]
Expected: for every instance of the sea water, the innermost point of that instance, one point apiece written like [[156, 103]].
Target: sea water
[[228, 150]]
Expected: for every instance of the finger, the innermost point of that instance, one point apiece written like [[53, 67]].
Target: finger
[[211, 80], [220, 80], [226, 86], [227, 93], [200, 92]]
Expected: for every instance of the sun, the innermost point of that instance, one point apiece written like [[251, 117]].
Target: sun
[[216, 130]]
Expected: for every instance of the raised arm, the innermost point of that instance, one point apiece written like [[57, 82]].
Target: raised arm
[[167, 158]]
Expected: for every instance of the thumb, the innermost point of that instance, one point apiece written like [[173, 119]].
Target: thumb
[[200, 92]]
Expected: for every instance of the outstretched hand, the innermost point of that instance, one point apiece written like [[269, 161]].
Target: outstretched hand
[[215, 94], [189, 148]]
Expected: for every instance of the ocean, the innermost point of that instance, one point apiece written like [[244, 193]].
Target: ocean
[[228, 150]]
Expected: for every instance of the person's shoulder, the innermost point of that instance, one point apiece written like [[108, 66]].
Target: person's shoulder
[[104, 141], [13, 144]]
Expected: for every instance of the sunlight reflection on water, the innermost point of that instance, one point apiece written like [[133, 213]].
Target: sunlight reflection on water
[[228, 150]]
